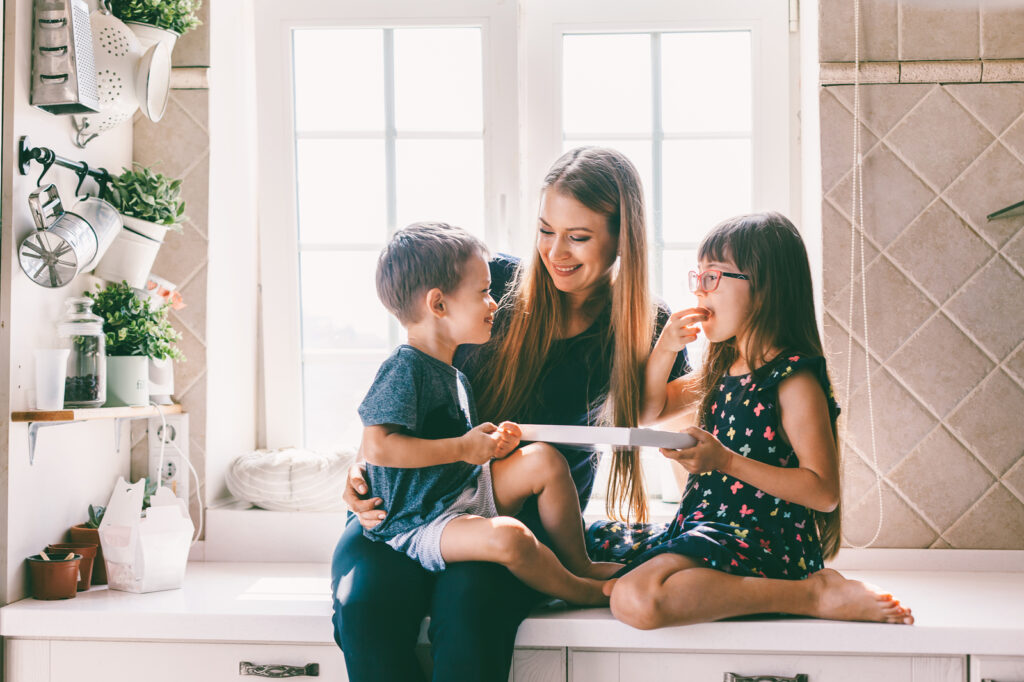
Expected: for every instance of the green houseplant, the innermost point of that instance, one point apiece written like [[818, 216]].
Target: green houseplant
[[150, 204], [158, 20], [135, 331]]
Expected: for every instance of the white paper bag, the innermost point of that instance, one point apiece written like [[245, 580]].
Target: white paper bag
[[145, 554]]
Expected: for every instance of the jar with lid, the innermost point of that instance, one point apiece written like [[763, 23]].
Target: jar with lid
[[81, 331]]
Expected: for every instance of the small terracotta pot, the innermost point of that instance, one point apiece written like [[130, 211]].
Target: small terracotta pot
[[91, 536], [53, 579], [87, 550]]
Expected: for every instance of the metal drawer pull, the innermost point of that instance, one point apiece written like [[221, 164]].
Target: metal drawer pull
[[255, 670], [733, 677]]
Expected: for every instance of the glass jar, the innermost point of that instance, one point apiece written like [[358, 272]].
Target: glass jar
[[81, 331]]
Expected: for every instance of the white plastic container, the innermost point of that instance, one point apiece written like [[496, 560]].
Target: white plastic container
[[51, 369]]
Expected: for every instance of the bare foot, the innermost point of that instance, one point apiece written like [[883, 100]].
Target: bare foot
[[608, 586], [592, 593], [841, 599], [601, 570]]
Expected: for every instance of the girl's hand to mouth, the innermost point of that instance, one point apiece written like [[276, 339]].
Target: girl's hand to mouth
[[681, 329]]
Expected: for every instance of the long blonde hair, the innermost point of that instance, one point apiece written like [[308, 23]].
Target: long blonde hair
[[767, 247], [606, 182]]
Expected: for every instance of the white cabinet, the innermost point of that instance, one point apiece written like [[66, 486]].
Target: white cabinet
[[998, 668], [611, 666]]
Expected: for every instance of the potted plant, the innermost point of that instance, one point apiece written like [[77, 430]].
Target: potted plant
[[150, 204], [158, 20], [134, 331], [88, 532]]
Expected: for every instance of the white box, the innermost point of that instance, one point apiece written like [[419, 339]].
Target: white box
[[606, 435]]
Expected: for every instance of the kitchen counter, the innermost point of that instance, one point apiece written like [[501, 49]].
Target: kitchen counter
[[959, 612]]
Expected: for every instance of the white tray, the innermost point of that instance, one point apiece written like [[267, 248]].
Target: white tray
[[606, 435]]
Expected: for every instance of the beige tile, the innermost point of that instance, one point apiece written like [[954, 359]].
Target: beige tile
[[896, 308], [883, 106], [940, 251], [836, 253], [940, 544], [994, 181], [182, 255], [989, 308], [845, 73], [196, 104], [940, 365], [1014, 478], [1002, 25], [193, 48], [877, 30], [1002, 71], [941, 478], [195, 190], [996, 106], [193, 401], [837, 140], [940, 72], [194, 313], [893, 195], [939, 139], [1015, 364], [187, 371], [858, 478], [989, 421], [938, 30], [1013, 138], [901, 527], [900, 421], [837, 346], [996, 522], [173, 145]]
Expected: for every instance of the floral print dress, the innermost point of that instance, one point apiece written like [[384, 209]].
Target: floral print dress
[[723, 522]]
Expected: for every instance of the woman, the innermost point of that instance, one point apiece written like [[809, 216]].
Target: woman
[[571, 337]]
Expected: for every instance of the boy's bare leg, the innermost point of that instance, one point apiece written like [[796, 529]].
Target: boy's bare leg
[[672, 589], [541, 470], [507, 541]]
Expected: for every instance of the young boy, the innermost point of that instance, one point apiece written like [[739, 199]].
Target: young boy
[[450, 487]]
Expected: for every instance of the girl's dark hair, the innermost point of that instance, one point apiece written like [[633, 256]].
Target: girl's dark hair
[[768, 248]]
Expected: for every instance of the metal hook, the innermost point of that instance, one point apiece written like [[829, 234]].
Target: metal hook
[[82, 174], [48, 157], [80, 140]]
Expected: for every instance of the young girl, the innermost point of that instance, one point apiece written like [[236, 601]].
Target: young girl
[[763, 493]]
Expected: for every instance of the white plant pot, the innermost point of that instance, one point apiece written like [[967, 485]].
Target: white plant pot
[[161, 380], [127, 380], [131, 255], [149, 35]]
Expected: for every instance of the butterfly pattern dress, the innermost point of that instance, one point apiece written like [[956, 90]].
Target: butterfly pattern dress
[[723, 522]]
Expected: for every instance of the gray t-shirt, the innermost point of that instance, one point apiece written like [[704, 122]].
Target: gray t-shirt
[[429, 399]]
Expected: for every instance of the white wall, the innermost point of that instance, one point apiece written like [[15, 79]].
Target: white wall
[[75, 464]]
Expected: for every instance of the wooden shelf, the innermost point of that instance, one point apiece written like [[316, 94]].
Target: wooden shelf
[[84, 414]]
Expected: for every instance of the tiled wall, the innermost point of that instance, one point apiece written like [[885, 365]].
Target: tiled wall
[[945, 285], [178, 146]]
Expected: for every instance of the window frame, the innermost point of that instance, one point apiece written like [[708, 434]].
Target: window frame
[[281, 360]]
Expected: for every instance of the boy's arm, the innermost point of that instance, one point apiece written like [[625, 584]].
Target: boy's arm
[[391, 446]]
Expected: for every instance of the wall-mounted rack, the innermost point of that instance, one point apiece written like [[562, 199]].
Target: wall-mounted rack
[[47, 158]]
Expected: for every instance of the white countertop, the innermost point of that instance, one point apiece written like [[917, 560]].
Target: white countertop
[[957, 613]]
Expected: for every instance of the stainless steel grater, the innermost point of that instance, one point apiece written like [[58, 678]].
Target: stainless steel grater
[[63, 69]]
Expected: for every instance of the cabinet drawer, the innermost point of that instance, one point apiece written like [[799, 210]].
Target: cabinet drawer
[[84, 661], [997, 668], [612, 666]]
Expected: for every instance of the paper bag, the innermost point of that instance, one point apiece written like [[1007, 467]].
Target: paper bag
[[145, 554]]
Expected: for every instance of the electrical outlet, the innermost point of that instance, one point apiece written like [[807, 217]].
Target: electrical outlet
[[174, 473]]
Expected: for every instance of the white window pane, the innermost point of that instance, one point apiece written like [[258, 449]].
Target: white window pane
[[706, 181], [675, 265], [706, 81], [339, 79], [441, 180], [341, 191], [340, 309], [438, 82], [332, 390], [637, 151], [606, 83]]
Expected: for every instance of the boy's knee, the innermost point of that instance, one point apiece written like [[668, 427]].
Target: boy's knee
[[548, 463], [511, 541], [636, 604]]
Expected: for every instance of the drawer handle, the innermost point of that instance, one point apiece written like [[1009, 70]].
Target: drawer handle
[[255, 670], [733, 677]]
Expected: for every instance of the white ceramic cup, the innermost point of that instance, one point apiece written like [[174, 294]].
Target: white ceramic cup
[[51, 369]]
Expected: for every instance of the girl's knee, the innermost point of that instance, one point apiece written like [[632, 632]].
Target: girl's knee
[[637, 604]]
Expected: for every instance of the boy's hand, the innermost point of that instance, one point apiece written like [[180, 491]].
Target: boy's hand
[[707, 455], [680, 329], [487, 441]]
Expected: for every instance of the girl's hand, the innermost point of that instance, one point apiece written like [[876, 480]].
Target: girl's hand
[[707, 455], [354, 496], [487, 441], [680, 330]]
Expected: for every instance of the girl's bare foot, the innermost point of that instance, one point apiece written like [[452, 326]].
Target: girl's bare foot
[[601, 570], [841, 599], [608, 586]]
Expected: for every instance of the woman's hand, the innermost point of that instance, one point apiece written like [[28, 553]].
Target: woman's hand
[[680, 330], [487, 441], [707, 455], [356, 489]]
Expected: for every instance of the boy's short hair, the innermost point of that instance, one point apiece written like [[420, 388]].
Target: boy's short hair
[[420, 257]]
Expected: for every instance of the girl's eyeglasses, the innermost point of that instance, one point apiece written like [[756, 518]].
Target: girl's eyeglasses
[[709, 279]]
